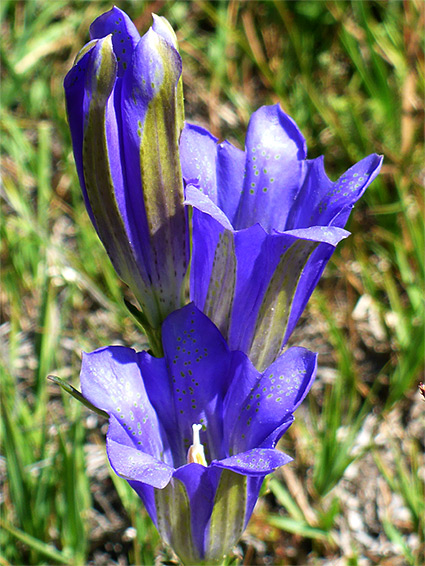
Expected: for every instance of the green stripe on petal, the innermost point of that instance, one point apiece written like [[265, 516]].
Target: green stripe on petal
[[161, 174], [163, 27], [218, 303], [275, 309], [173, 520], [85, 50], [228, 516], [98, 175]]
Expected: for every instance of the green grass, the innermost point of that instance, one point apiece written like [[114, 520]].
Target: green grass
[[351, 75]]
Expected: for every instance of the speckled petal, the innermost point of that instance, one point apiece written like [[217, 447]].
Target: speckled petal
[[198, 360], [258, 461], [269, 270], [111, 379], [255, 276], [274, 398], [133, 463], [124, 35], [160, 392], [274, 169], [321, 202]]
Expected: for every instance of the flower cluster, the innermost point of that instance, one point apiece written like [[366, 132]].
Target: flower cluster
[[193, 425]]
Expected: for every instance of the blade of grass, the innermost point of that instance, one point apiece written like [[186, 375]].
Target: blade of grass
[[37, 545]]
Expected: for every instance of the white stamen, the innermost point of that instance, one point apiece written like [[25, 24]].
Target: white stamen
[[196, 428], [196, 453]]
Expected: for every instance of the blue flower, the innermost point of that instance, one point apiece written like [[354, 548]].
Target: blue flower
[[125, 111], [265, 223], [194, 432]]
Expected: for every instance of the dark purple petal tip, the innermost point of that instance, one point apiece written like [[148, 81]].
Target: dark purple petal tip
[[124, 35]]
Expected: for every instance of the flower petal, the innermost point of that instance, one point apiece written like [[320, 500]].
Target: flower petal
[[228, 515], [213, 268], [151, 121], [112, 381], [75, 94], [202, 202], [160, 392], [254, 314], [245, 378], [272, 439], [254, 484], [91, 97], [307, 282], [198, 156], [230, 177], [269, 268], [274, 398], [198, 362], [201, 492], [296, 268], [125, 36], [212, 280], [162, 27], [258, 461], [322, 202], [274, 170], [134, 464], [280, 264], [147, 495], [174, 520]]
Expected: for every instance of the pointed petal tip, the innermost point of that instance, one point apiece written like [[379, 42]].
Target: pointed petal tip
[[101, 21], [188, 127], [380, 161], [201, 202], [163, 28], [305, 352], [302, 153], [102, 70], [331, 235], [87, 47], [161, 53], [268, 114], [76, 73]]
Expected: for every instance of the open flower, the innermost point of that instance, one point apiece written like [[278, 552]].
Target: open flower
[[194, 432], [265, 223], [125, 110]]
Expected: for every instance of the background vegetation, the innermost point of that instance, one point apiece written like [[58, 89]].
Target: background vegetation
[[351, 75]]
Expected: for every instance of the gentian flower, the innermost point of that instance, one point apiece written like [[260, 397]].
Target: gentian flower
[[265, 223], [125, 109], [194, 432]]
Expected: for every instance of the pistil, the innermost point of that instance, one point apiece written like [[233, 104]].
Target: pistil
[[196, 452]]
